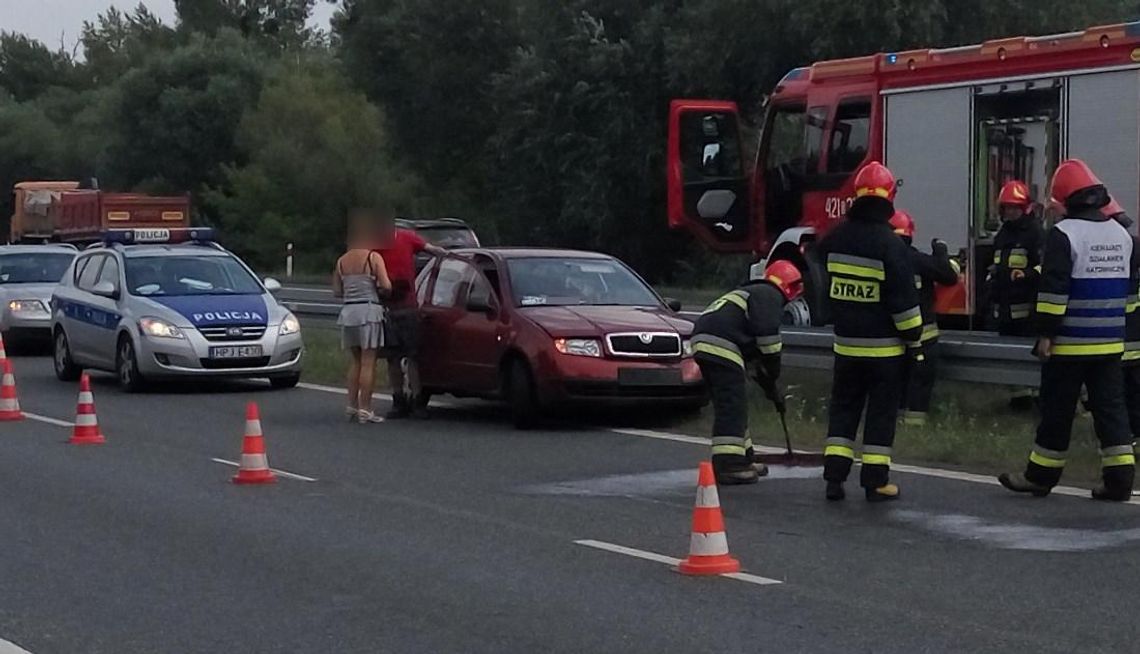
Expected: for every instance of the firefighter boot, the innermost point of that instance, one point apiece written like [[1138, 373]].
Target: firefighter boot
[[761, 467], [737, 476], [1016, 482], [835, 491], [883, 493], [401, 408], [1116, 485]]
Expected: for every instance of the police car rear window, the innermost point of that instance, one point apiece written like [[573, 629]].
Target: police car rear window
[[188, 275]]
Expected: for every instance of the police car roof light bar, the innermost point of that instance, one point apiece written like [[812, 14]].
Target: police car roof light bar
[[161, 236]]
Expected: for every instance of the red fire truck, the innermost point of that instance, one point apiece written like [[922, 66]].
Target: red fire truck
[[952, 124]]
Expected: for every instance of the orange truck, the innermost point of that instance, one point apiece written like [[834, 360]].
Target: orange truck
[[63, 212]]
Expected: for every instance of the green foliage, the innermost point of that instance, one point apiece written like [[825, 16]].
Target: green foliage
[[116, 41], [278, 22], [28, 68]]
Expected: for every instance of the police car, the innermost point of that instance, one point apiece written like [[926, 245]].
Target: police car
[[168, 303], [28, 276]]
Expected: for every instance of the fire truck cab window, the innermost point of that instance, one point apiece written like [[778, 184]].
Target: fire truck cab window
[[786, 165], [849, 137], [710, 146]]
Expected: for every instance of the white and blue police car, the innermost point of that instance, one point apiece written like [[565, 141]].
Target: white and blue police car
[[152, 304]]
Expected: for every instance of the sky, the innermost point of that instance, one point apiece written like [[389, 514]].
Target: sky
[[60, 21]]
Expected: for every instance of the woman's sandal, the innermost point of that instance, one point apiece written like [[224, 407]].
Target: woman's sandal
[[368, 417]]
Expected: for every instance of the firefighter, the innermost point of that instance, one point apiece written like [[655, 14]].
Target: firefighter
[[1130, 361], [929, 269], [1014, 274], [740, 329], [876, 315], [1086, 281]]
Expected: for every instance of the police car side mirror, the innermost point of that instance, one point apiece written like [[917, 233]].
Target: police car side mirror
[[272, 285], [106, 289]]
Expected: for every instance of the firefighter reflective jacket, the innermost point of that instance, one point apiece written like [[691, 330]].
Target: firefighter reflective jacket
[[931, 269], [1131, 314], [1086, 283], [743, 326], [870, 282], [1017, 247]]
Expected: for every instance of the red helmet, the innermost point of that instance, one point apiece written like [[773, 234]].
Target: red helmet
[[875, 180], [903, 224], [1072, 176], [784, 275], [1015, 192], [1112, 209]]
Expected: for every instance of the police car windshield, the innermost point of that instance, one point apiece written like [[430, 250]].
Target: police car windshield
[[562, 282], [34, 267], [188, 275]]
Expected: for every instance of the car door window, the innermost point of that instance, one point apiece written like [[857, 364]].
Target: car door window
[[423, 281], [90, 274], [110, 272], [455, 276]]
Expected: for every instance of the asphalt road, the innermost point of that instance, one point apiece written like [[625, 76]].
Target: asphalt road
[[459, 535]]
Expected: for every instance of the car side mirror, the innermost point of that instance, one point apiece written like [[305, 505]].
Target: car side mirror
[[272, 285], [674, 305], [106, 289], [482, 304]]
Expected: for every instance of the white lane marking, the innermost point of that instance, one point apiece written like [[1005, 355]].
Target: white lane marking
[[49, 421], [700, 440], [668, 560], [302, 289], [336, 390], [282, 473], [8, 647]]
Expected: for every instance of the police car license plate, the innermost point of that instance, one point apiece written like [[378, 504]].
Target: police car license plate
[[235, 352]]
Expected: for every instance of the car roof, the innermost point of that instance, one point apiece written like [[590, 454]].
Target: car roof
[[176, 250], [432, 223], [533, 253], [46, 247]]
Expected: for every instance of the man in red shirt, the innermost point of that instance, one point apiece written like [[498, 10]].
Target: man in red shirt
[[399, 248]]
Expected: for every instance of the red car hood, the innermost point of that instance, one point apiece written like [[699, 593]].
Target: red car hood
[[571, 321]]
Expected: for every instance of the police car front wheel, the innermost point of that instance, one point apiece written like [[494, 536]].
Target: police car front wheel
[[65, 368]]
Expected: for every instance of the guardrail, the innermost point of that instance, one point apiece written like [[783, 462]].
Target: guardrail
[[977, 357]]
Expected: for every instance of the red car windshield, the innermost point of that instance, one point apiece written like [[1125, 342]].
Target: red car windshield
[[564, 282]]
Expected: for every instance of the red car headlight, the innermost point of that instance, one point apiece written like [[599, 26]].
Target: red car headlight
[[583, 347]]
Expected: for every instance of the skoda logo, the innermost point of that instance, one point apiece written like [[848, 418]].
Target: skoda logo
[[645, 338], [233, 331]]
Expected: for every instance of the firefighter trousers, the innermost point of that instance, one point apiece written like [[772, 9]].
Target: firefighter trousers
[[1061, 381], [728, 386], [918, 385], [1132, 397], [870, 385]]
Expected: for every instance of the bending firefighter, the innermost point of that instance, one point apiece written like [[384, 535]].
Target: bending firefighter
[[740, 329], [1086, 283], [1016, 268], [929, 269], [875, 311]]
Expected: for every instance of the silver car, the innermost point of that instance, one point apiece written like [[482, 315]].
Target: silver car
[[28, 276], [171, 310]]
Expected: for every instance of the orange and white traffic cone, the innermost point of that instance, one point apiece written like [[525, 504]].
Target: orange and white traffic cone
[[708, 545], [86, 430], [3, 353], [9, 403], [254, 468]]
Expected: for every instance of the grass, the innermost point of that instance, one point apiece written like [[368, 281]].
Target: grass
[[326, 362], [692, 298]]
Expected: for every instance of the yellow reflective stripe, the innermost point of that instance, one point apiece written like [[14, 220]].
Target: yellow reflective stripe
[[1051, 309], [737, 300], [929, 333], [997, 257], [857, 271], [1131, 355], [956, 266], [1131, 306], [1037, 269], [1091, 349], [735, 297], [878, 351], [1118, 460], [728, 449], [717, 351], [909, 323], [839, 450], [1018, 261], [876, 459], [775, 348], [1046, 462]]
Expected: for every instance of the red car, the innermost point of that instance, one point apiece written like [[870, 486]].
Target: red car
[[546, 329]]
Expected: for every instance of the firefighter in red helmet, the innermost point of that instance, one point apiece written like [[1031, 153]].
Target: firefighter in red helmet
[[1014, 274], [1086, 284], [739, 330], [929, 269], [876, 316]]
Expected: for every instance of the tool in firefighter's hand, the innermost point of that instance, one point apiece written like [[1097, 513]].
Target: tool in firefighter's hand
[[1016, 275], [790, 458]]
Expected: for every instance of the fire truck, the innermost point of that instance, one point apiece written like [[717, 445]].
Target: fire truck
[[953, 125]]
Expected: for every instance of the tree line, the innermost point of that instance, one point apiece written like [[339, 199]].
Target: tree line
[[541, 123]]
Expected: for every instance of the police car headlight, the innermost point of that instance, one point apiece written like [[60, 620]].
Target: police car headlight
[[159, 328], [583, 347], [27, 307], [290, 325], [687, 348]]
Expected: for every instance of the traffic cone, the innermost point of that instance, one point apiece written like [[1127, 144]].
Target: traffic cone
[[254, 468], [3, 353], [708, 545], [9, 404], [86, 430]]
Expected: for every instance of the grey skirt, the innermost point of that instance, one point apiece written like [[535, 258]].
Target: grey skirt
[[362, 326]]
